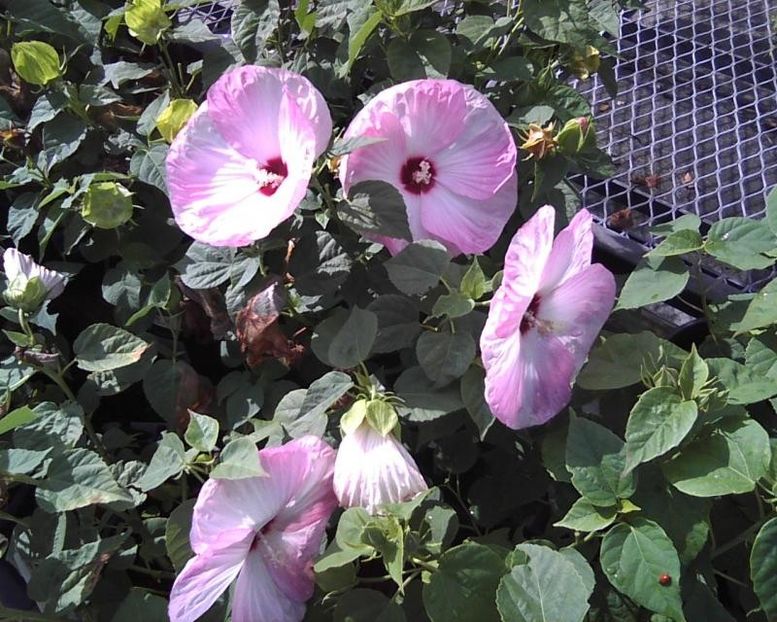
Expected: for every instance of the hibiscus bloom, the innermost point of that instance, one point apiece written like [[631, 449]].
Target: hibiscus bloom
[[373, 468], [543, 319], [263, 530], [29, 283], [242, 163], [448, 152]]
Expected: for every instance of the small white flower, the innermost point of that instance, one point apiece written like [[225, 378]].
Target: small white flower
[[373, 468], [29, 283]]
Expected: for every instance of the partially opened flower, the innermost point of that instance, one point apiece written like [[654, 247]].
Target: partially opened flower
[[262, 531], [29, 283], [543, 319], [372, 467], [449, 153], [242, 163]]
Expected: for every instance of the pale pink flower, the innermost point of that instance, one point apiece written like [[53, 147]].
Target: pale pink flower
[[372, 469], [448, 152], [543, 319], [242, 163], [264, 531], [29, 283]]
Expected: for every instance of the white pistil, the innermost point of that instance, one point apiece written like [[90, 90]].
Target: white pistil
[[424, 173]]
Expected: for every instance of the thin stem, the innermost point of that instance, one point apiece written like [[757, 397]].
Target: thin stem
[[730, 578], [742, 537], [424, 564], [156, 574]]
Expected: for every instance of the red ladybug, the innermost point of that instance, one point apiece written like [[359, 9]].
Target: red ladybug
[[665, 579]]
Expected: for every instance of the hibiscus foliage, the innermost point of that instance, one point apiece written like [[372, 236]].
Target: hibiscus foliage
[[377, 299]]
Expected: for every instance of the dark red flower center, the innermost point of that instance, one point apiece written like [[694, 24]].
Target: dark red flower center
[[417, 175], [271, 176], [530, 319]]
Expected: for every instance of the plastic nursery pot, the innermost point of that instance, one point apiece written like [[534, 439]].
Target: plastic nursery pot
[[690, 333]]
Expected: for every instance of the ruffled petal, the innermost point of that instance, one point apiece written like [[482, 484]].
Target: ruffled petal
[[214, 192], [245, 106], [578, 308], [258, 598], [465, 224], [571, 251], [528, 253], [16, 264], [372, 469], [205, 578], [482, 158]]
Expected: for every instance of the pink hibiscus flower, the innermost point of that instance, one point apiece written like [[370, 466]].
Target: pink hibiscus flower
[[543, 319], [264, 531], [242, 163], [448, 152]]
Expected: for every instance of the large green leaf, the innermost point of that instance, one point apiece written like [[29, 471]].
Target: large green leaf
[[587, 517], [375, 208], [445, 356], [762, 310], [102, 347], [653, 281], [168, 461], [728, 459], [418, 267], [426, 54], [345, 338], [633, 556], [741, 242], [177, 531], [36, 62], [464, 586], [659, 421]]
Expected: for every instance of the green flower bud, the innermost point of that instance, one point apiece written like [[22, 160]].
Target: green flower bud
[[25, 294], [107, 205], [572, 137], [174, 117]]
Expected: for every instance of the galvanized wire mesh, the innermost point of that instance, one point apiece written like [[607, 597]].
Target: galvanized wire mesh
[[693, 128]]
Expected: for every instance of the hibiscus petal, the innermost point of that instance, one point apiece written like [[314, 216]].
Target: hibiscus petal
[[372, 469], [381, 161], [465, 224], [571, 251], [245, 106], [482, 158], [578, 309], [205, 578], [432, 113], [16, 264], [529, 382], [528, 253], [214, 191], [258, 598]]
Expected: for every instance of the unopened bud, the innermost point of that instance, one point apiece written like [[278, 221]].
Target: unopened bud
[[25, 293], [107, 205], [583, 64], [539, 141], [572, 137]]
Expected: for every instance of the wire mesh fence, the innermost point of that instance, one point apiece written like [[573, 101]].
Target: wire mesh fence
[[693, 128]]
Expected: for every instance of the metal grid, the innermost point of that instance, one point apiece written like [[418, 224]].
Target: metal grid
[[693, 128], [215, 15]]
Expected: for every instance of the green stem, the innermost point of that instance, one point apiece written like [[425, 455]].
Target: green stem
[[424, 564]]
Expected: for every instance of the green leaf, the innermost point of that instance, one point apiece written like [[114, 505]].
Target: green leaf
[[659, 421], [586, 517], [548, 588], [617, 362], [427, 54], [62, 137], [762, 310], [741, 243], [597, 463], [345, 338], [102, 347], [763, 568], [375, 208], [694, 374], [239, 460], [253, 22], [78, 478], [363, 605], [678, 243], [177, 530], [386, 535], [398, 322], [652, 282], [410, 6], [36, 62], [633, 556], [141, 605], [53, 426], [168, 461], [148, 165], [473, 396], [418, 267], [453, 305], [15, 418], [360, 30], [202, 432], [771, 210], [744, 386], [146, 20], [566, 21], [445, 356], [206, 266], [464, 587], [422, 401], [350, 528], [728, 459], [474, 283]]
